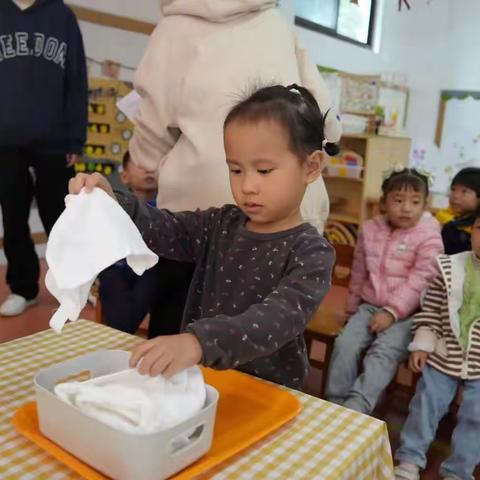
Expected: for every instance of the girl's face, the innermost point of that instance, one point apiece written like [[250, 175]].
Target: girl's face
[[268, 181], [404, 207], [462, 199]]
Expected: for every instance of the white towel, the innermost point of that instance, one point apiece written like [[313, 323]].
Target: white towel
[[137, 403], [92, 233]]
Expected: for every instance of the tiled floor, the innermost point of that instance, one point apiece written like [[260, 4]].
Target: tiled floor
[[36, 318], [394, 409]]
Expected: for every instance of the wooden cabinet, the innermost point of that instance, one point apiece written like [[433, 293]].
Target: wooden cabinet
[[349, 196]]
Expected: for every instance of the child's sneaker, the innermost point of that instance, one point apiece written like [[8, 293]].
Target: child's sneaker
[[407, 471], [15, 305]]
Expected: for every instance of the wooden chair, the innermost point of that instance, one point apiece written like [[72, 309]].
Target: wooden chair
[[98, 306], [327, 323], [405, 380]]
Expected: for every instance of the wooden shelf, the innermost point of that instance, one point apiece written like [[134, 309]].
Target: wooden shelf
[[360, 114], [344, 217], [348, 179], [366, 136], [349, 195], [362, 136]]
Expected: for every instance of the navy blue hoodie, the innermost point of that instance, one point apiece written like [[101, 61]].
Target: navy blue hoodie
[[43, 79]]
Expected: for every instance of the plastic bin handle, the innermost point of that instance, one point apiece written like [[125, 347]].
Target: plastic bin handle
[[185, 440]]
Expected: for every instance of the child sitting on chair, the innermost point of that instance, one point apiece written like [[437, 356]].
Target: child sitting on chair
[[125, 297], [393, 262], [446, 349], [260, 271], [457, 219]]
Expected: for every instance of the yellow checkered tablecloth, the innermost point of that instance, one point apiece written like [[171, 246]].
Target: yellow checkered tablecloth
[[325, 441]]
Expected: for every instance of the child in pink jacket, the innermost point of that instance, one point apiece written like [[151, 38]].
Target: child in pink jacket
[[393, 263]]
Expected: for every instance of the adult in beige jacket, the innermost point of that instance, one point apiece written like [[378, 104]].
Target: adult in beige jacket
[[201, 58]]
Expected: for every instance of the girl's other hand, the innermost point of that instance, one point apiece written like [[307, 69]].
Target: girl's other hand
[[417, 361], [166, 355], [381, 321]]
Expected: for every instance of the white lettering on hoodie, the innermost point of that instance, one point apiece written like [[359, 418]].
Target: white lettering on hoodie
[[16, 45]]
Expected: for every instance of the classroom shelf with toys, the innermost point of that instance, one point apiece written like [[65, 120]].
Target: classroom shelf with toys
[[354, 177]]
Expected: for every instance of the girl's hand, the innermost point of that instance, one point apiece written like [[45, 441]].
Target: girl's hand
[[89, 182], [166, 355], [417, 361], [381, 321]]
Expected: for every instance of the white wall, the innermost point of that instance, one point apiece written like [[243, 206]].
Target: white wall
[[435, 43], [104, 43], [464, 44], [411, 42], [147, 10]]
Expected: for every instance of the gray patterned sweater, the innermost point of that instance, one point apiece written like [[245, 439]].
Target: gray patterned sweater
[[252, 294]]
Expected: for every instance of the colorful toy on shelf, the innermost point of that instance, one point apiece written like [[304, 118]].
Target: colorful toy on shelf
[[348, 164], [108, 129], [101, 167]]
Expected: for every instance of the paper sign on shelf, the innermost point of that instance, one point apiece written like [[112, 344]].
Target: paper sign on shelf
[[129, 105]]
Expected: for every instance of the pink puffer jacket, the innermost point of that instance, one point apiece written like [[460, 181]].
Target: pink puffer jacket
[[391, 267]]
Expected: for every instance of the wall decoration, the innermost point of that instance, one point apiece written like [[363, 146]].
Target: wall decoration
[[109, 130], [394, 102], [457, 134], [359, 94], [368, 102]]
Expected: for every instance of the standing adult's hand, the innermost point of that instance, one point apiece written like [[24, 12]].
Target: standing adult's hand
[[72, 159]]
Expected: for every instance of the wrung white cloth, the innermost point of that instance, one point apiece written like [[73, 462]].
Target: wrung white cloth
[[137, 403], [92, 233]]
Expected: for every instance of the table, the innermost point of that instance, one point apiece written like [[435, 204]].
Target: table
[[325, 441]]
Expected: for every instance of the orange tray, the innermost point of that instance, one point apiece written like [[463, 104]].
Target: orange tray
[[247, 411]]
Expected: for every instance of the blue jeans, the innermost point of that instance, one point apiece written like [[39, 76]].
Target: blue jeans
[[384, 352], [435, 391]]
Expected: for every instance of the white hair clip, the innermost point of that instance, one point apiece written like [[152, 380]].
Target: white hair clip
[[430, 175], [398, 168], [294, 88]]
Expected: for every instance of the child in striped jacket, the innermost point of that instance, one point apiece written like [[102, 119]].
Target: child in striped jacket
[[446, 349]]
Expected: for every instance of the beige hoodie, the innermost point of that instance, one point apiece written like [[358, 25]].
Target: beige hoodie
[[201, 58]]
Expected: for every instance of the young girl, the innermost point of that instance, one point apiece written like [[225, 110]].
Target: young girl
[[446, 349], [394, 260], [457, 219], [260, 270]]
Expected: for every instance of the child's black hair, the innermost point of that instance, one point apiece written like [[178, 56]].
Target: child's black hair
[[126, 160], [404, 179], [295, 109], [468, 177]]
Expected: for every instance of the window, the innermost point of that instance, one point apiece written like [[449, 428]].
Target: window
[[340, 18]]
